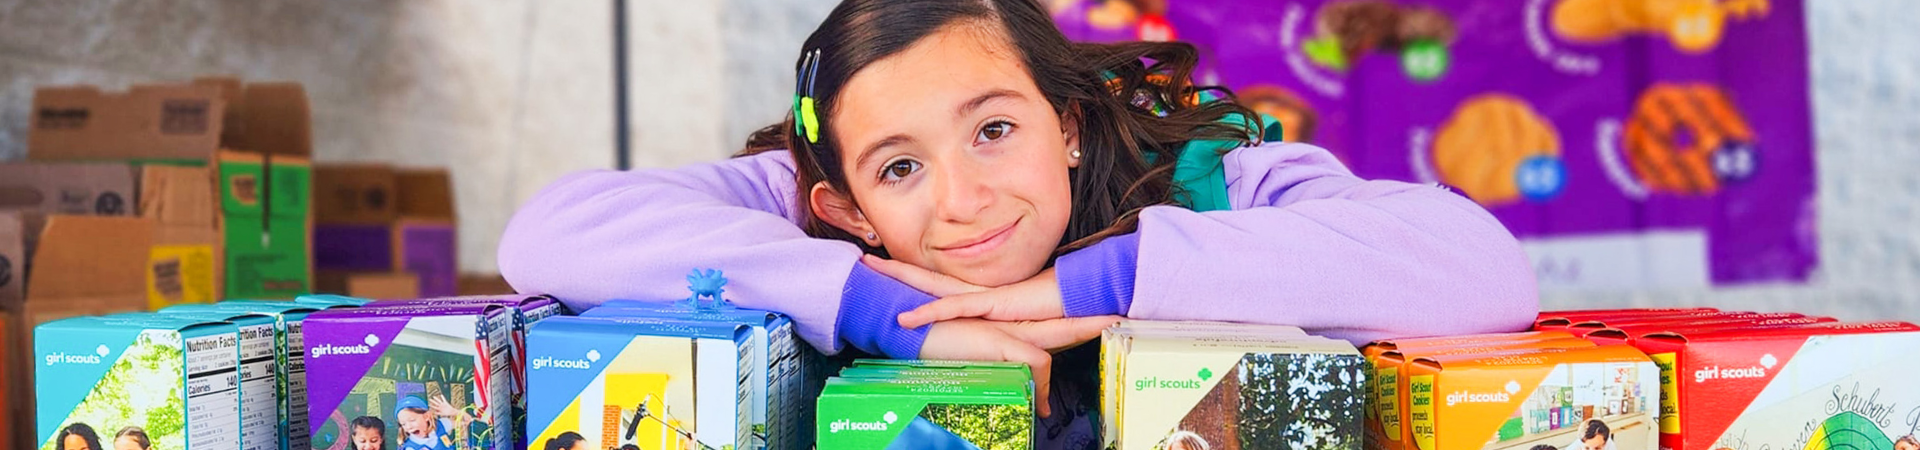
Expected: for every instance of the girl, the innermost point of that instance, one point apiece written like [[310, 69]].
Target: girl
[[964, 150], [77, 436], [131, 438], [369, 433]]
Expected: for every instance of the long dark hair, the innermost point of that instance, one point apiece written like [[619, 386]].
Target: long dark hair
[[85, 433], [1113, 90]]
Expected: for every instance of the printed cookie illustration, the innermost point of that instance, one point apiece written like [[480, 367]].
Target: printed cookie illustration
[[1498, 150], [1688, 139], [1296, 118], [1692, 25], [1148, 18], [1347, 30]]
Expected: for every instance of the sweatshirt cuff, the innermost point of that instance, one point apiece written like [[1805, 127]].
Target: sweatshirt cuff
[[869, 309], [1098, 280]]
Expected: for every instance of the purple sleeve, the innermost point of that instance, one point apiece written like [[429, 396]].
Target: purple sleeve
[[602, 235], [1309, 244], [1098, 280], [868, 310]]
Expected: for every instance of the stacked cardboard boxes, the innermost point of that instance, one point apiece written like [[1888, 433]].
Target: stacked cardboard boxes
[[150, 197], [382, 232]]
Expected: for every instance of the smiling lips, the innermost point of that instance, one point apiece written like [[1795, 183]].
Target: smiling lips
[[980, 245]]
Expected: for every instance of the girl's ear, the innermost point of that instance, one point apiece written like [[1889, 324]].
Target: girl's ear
[[1070, 130], [835, 208]]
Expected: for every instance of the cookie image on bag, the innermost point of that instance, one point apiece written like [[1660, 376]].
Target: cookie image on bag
[[1297, 119], [1693, 26], [1688, 139], [1346, 31], [1498, 150], [1148, 18]]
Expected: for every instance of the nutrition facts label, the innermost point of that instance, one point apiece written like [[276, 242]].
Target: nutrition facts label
[[213, 392], [296, 373], [260, 416]]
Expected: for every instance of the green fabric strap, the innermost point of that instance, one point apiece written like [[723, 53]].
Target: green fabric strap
[[1201, 173]]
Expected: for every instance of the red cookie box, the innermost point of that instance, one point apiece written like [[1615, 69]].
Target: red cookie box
[[1549, 320], [1713, 320], [1804, 386]]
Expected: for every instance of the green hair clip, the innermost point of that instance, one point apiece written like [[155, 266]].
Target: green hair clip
[[805, 121]]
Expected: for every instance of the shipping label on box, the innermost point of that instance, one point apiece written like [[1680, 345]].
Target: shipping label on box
[[646, 382], [177, 379], [433, 376]]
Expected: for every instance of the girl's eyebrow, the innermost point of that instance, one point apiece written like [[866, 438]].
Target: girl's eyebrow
[[971, 105], [965, 108]]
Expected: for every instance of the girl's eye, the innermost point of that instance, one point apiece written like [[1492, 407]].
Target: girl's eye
[[899, 169], [993, 131]]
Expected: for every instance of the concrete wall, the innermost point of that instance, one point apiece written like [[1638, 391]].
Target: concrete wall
[[513, 93]]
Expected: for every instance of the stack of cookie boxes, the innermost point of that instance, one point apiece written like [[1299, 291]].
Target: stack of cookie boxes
[[1763, 381]]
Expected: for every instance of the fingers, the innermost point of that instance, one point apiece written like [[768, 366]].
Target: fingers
[[1060, 334], [948, 308], [1041, 363], [930, 282]]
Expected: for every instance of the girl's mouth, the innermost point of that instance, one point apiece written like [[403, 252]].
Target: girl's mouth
[[981, 245]]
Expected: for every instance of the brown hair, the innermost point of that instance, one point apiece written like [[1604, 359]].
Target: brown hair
[[1112, 91], [139, 436]]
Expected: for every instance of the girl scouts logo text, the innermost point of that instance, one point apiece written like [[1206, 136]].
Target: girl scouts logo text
[[1156, 383], [848, 425], [329, 349], [1735, 373], [1513, 387], [576, 364], [63, 358]]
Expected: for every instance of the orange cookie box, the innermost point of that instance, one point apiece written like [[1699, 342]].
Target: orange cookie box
[[1522, 399]]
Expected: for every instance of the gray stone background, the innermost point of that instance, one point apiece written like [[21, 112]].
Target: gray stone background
[[511, 94]]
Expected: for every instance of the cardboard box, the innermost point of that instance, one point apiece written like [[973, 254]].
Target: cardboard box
[[483, 284], [1391, 380], [910, 404], [1829, 385], [9, 380], [780, 363], [1229, 392], [370, 285], [650, 382], [253, 138], [378, 219], [260, 382], [290, 361], [180, 121], [1526, 398], [393, 364], [175, 377], [526, 311], [1554, 319]]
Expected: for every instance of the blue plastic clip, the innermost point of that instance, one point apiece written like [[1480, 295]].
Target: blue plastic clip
[[707, 284]]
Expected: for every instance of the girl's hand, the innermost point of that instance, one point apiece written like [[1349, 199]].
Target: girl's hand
[[444, 409], [1026, 342], [933, 283], [1037, 298]]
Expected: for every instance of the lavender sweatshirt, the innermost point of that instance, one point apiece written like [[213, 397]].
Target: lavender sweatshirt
[[1306, 243]]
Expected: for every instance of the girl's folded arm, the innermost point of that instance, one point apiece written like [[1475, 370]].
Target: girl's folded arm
[[1309, 244], [602, 235]]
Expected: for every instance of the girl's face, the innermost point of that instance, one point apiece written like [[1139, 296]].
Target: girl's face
[[127, 443], [416, 423], [366, 438], [957, 161], [75, 442]]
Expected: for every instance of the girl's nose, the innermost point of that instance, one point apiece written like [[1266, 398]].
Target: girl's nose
[[962, 191]]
